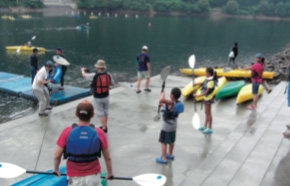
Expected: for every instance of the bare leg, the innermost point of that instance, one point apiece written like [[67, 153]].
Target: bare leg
[[103, 121], [255, 100], [163, 151], [206, 112], [147, 83], [171, 146], [138, 83], [209, 117]]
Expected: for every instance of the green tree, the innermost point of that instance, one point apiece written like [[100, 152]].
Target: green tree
[[203, 6], [232, 7], [217, 3]]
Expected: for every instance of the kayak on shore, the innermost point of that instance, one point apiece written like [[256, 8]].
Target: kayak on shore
[[230, 89], [245, 94], [221, 82], [235, 73], [24, 48], [188, 89]]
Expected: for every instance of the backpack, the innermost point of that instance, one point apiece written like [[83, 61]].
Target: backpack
[[83, 144], [101, 84], [173, 113]]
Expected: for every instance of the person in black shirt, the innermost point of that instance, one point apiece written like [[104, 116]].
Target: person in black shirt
[[235, 50], [64, 68], [33, 64]]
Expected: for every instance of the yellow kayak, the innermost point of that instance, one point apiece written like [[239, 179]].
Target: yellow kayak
[[236, 73], [11, 18], [245, 93], [25, 16], [188, 89], [24, 48], [221, 82], [5, 17], [93, 17]]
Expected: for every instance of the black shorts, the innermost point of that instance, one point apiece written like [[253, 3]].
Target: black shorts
[[167, 137], [209, 102]]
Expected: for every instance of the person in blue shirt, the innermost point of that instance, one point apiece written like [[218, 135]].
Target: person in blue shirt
[[144, 69]]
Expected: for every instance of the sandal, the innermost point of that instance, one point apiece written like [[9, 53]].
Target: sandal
[[169, 157], [161, 161], [251, 107]]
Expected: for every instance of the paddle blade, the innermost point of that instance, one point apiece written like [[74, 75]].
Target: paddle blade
[[196, 121], [164, 73], [157, 117], [8, 170], [33, 37], [191, 61], [150, 179], [18, 50], [60, 60]]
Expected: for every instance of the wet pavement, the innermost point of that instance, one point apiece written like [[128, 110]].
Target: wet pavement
[[247, 147]]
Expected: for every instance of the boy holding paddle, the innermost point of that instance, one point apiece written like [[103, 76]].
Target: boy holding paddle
[[172, 109]]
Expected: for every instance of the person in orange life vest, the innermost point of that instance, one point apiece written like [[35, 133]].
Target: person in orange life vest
[[101, 82], [83, 138], [256, 78]]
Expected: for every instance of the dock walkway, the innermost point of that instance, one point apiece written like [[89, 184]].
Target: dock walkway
[[247, 147]]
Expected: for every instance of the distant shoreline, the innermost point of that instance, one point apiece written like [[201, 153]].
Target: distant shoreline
[[215, 14]]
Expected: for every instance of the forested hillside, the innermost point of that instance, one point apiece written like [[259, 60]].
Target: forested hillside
[[22, 3], [236, 7]]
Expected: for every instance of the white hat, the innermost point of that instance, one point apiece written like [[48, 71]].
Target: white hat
[[144, 47], [100, 64]]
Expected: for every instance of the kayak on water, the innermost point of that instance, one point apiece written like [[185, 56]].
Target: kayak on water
[[221, 82], [235, 73], [49, 180], [230, 89], [82, 27], [245, 94], [188, 89], [24, 48], [93, 17]]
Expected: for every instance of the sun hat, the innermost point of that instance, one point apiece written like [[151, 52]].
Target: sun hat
[[144, 47], [49, 64], [259, 55], [100, 64]]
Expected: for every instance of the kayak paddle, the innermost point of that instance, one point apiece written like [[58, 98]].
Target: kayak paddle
[[18, 50], [163, 74], [195, 118], [8, 170]]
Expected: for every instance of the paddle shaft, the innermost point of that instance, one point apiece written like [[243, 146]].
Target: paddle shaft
[[162, 90]]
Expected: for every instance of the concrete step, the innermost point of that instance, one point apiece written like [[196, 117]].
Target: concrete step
[[226, 159]]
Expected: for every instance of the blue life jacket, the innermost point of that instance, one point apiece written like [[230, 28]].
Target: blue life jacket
[[173, 113], [83, 144]]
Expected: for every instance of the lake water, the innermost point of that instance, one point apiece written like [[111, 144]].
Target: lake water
[[171, 40]]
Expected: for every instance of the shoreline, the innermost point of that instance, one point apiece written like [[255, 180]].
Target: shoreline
[[215, 14]]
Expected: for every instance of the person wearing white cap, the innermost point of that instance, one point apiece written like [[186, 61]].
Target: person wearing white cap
[[39, 89], [144, 69], [101, 82]]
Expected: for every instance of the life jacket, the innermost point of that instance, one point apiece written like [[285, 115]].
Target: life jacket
[[257, 71], [173, 113], [83, 144], [204, 86], [100, 85]]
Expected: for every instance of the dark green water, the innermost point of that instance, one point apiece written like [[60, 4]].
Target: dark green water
[[171, 41]]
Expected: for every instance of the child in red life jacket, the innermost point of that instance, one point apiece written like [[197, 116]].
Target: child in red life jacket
[[256, 78]]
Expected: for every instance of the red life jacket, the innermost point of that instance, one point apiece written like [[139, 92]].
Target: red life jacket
[[257, 72], [101, 84]]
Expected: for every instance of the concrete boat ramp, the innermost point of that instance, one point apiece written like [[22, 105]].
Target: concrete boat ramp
[[247, 147]]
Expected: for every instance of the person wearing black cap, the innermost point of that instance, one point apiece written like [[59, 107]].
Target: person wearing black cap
[[33, 64], [39, 89], [233, 54], [64, 68]]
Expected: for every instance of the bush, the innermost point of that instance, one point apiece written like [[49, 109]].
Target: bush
[[203, 6], [232, 7], [244, 12], [217, 3]]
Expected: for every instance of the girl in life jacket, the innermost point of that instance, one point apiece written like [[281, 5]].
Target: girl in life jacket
[[208, 98]]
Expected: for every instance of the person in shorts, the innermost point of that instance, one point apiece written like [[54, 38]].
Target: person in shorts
[[101, 82], [144, 69], [257, 78], [172, 108], [81, 144], [208, 99]]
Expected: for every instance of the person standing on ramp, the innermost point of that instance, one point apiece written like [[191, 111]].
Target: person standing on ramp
[[144, 69], [101, 82]]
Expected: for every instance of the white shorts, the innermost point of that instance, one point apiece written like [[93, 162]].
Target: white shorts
[[90, 180], [102, 106], [143, 74]]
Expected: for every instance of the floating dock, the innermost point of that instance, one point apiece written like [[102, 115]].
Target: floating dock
[[18, 85]]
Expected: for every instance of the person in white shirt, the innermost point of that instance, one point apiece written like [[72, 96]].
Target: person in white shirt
[[40, 90]]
